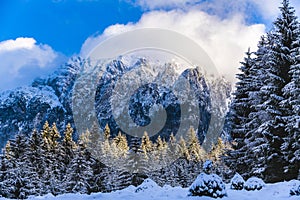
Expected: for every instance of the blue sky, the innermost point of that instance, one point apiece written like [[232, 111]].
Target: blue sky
[[64, 25], [37, 36]]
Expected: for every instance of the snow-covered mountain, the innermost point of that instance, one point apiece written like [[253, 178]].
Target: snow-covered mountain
[[50, 98], [26, 108]]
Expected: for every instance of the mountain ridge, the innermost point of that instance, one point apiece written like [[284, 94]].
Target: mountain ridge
[[50, 98]]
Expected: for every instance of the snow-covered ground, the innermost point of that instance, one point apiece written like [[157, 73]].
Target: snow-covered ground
[[150, 190]]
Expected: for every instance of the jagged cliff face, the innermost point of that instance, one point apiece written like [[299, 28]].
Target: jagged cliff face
[[144, 93], [153, 99], [48, 99], [23, 109]]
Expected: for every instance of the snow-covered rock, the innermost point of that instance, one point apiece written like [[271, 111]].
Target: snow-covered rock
[[26, 108], [149, 91], [237, 182], [254, 183], [295, 190], [147, 185], [208, 185]]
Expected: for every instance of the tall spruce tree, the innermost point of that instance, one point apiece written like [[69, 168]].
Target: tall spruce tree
[[183, 150], [243, 105], [146, 145], [136, 162], [121, 145], [68, 145], [79, 175], [36, 153], [240, 106], [46, 136], [259, 150], [54, 159], [196, 152], [284, 47], [291, 145]]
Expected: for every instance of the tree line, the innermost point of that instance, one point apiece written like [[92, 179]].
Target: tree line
[[46, 162], [264, 115]]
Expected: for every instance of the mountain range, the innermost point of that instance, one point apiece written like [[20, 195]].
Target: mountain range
[[51, 99]]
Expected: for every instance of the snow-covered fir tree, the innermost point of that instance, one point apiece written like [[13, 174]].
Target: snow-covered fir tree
[[68, 145], [79, 175], [195, 150], [147, 145], [264, 132], [240, 106], [291, 145]]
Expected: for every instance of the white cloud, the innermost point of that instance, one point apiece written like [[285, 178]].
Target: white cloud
[[23, 59], [225, 40], [269, 8], [19, 43]]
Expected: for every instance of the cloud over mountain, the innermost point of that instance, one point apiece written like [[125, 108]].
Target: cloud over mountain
[[23, 59], [224, 40]]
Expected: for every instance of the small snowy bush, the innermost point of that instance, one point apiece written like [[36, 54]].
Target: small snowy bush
[[237, 182], [295, 190], [208, 185], [254, 183], [148, 184]]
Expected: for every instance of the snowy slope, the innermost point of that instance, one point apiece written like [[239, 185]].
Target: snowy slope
[[150, 190]]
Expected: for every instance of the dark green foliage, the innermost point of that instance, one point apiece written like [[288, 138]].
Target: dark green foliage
[[265, 109]]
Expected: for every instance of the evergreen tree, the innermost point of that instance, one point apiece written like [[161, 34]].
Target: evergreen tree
[[18, 172], [106, 152], [68, 145], [136, 162], [8, 173], [240, 107], [183, 150], [106, 132], [147, 145], [93, 140], [5, 166], [258, 150], [217, 151], [54, 159], [121, 144], [196, 152], [257, 77], [248, 87], [53, 137], [160, 153], [8, 152], [240, 158], [36, 153], [291, 145], [79, 175], [18, 146], [46, 136], [173, 149], [173, 143], [84, 139], [284, 46]]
